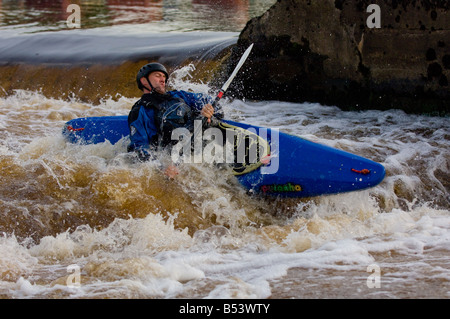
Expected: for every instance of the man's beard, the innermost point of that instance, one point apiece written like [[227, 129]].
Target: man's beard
[[160, 90]]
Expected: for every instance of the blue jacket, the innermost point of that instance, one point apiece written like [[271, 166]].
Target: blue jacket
[[144, 118]]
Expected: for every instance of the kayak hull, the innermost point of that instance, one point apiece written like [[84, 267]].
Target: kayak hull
[[296, 167]]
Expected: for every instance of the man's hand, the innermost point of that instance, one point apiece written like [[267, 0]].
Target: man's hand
[[208, 112], [171, 171]]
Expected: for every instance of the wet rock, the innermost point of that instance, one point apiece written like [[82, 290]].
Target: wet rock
[[329, 52]]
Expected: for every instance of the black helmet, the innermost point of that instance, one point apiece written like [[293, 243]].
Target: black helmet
[[149, 68]]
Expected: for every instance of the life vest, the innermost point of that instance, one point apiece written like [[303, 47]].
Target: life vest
[[170, 113]]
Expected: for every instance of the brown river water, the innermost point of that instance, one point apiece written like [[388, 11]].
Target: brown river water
[[80, 221]]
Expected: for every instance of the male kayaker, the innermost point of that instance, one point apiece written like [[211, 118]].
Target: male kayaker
[[154, 116]]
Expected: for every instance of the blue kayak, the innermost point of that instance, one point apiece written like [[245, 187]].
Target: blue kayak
[[288, 166]]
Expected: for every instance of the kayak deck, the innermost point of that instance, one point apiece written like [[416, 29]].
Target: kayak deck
[[295, 166]]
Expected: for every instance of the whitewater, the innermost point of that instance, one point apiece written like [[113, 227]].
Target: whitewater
[[133, 233], [80, 221]]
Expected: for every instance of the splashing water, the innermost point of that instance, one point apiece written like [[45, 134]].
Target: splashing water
[[133, 233]]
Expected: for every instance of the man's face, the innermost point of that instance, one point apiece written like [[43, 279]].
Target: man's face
[[158, 81]]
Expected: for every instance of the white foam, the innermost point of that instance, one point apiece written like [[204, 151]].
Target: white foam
[[249, 243]]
